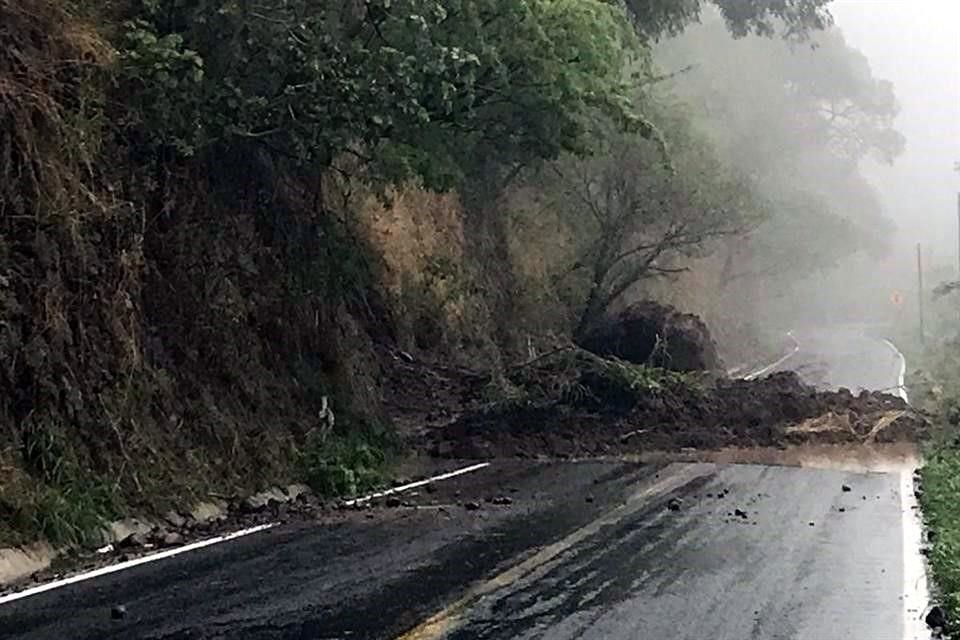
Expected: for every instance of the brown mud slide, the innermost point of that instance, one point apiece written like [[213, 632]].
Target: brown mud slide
[[575, 404]]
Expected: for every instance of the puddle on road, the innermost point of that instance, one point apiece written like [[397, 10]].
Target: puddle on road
[[880, 457]]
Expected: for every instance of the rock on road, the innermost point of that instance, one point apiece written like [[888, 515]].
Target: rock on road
[[579, 550]]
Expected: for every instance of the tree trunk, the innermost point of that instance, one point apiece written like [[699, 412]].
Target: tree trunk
[[591, 312], [598, 299]]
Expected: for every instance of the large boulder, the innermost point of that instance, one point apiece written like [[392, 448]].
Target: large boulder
[[657, 335]]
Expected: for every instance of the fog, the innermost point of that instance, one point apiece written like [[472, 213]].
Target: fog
[[853, 142], [916, 45]]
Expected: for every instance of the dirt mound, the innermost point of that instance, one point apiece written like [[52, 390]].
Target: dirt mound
[[657, 335], [578, 405], [421, 394]]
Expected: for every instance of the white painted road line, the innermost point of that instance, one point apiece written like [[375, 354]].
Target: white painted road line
[[414, 485], [916, 594], [449, 619], [169, 553], [901, 381], [769, 368], [915, 589]]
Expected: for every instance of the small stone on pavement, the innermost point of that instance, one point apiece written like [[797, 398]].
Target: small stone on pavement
[[172, 539], [936, 619]]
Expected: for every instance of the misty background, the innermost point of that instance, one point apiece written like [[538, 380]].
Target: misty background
[[916, 45], [895, 198]]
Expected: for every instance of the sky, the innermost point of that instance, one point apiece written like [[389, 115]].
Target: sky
[[916, 45]]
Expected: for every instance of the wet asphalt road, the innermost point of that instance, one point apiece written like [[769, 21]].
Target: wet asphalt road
[[794, 567], [844, 357], [583, 550]]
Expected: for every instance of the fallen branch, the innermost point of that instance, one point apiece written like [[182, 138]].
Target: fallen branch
[[526, 364]]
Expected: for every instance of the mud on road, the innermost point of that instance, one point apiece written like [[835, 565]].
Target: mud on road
[[587, 415]]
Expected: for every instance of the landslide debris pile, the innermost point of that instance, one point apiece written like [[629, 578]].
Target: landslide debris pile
[[574, 403]]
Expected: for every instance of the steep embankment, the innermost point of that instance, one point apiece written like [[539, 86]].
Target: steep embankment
[[165, 328]]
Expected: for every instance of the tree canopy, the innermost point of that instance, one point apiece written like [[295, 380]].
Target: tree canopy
[[792, 19], [418, 87], [632, 217], [798, 120], [414, 87]]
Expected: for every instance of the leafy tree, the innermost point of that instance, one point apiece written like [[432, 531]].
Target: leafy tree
[[797, 120], [450, 92], [637, 218], [856, 109], [413, 87], [794, 19], [804, 235], [785, 103]]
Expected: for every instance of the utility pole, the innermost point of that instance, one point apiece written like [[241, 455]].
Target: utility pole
[[923, 338]]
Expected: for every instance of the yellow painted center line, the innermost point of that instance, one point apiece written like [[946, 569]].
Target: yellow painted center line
[[450, 618]]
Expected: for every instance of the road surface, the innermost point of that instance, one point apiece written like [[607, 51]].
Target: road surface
[[576, 550], [845, 357]]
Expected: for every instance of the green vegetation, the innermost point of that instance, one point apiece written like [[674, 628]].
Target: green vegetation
[[344, 466], [933, 382], [795, 122], [941, 486], [413, 88], [74, 515], [576, 378]]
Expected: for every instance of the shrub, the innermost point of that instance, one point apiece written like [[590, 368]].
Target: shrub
[[941, 485], [346, 464], [73, 513]]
